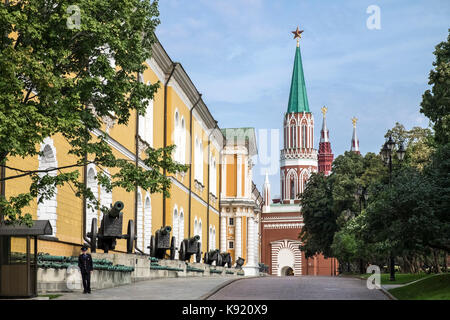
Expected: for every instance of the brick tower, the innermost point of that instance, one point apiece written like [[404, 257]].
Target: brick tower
[[325, 154], [298, 157]]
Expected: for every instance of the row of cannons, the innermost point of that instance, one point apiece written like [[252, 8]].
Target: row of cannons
[[110, 231]]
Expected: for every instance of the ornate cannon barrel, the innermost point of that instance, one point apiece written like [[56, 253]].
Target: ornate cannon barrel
[[114, 212], [165, 230], [239, 263], [194, 239]]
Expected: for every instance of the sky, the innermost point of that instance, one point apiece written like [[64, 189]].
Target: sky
[[240, 55]]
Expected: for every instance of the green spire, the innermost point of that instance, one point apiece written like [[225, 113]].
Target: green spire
[[298, 100]]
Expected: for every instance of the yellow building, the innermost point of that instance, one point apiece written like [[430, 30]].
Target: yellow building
[[240, 201], [177, 115]]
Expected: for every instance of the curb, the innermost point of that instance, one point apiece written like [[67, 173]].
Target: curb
[[223, 285], [387, 293]]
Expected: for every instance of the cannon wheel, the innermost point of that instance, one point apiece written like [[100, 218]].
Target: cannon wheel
[[152, 246], [182, 252], [219, 260], [206, 258], [93, 235], [198, 255], [130, 236], [228, 261], [172, 249]]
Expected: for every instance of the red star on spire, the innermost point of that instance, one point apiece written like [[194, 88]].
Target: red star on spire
[[297, 33]]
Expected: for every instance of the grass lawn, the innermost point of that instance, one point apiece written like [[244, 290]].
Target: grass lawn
[[51, 296], [400, 278], [432, 288]]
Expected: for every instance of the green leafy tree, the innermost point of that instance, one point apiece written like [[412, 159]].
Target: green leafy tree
[[436, 102], [318, 216], [65, 70]]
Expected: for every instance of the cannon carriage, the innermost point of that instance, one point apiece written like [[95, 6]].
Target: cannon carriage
[[110, 230], [213, 256], [190, 247], [161, 242]]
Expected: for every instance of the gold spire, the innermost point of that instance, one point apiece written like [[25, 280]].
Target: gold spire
[[354, 120], [297, 35], [324, 110]]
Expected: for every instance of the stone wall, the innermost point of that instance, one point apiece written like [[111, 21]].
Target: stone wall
[[66, 280]]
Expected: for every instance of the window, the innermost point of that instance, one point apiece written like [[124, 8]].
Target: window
[[213, 175], [230, 244], [91, 211], [292, 188], [147, 223], [198, 160], [140, 221], [304, 136], [47, 209], [231, 221]]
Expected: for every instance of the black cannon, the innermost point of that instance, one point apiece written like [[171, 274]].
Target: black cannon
[[263, 268], [189, 247], [160, 242], [239, 263], [226, 259], [211, 256], [110, 230]]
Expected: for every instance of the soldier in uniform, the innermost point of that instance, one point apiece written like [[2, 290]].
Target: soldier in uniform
[[86, 267]]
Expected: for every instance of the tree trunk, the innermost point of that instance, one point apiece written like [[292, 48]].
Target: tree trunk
[[437, 267], [445, 262]]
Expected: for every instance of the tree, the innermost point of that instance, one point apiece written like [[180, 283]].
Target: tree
[[68, 79], [318, 216], [436, 102]]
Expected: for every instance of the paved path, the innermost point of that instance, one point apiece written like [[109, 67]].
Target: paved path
[[298, 288], [160, 289]]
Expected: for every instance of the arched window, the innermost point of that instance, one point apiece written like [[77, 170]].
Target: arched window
[[181, 231], [91, 211], [105, 196], [210, 237], [182, 142], [175, 224], [292, 188], [47, 208], [200, 230], [304, 136], [147, 223], [146, 123], [176, 136], [213, 175], [195, 227], [214, 238], [140, 221]]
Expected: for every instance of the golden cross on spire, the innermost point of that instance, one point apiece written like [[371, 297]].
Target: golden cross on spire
[[297, 35], [354, 120], [324, 110]]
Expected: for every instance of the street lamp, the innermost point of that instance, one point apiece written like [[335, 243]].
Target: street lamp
[[386, 156], [361, 194]]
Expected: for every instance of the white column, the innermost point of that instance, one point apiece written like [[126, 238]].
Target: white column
[[250, 242], [256, 242], [223, 234], [238, 244]]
